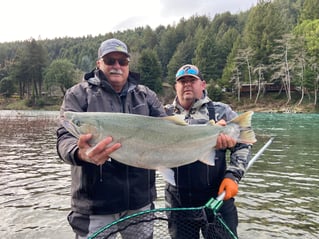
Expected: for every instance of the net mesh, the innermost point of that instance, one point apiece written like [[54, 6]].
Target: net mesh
[[207, 224]]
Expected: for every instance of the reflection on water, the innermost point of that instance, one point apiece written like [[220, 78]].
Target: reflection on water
[[278, 197]]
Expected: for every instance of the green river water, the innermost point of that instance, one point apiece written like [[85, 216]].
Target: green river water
[[278, 197]]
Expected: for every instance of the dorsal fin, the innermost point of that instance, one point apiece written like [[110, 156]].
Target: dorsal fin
[[211, 122], [176, 119]]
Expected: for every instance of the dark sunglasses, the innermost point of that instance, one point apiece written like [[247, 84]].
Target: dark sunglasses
[[111, 61]]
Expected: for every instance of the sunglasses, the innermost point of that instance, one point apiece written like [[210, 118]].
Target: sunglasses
[[111, 61], [188, 71]]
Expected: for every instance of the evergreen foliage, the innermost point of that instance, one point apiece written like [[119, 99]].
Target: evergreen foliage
[[255, 47]]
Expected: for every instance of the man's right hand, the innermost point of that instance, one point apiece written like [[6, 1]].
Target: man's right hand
[[99, 154]]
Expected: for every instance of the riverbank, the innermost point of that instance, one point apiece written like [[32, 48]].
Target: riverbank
[[272, 103], [267, 104], [276, 107]]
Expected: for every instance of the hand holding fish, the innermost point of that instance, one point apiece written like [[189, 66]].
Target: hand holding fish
[[224, 141], [100, 153]]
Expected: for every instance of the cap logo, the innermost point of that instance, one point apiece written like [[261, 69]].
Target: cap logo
[[186, 68], [120, 48]]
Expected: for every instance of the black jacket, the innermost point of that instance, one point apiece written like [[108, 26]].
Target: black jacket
[[114, 187]]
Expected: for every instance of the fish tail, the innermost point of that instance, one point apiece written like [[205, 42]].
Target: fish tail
[[247, 135], [243, 120]]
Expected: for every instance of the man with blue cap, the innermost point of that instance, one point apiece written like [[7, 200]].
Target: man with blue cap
[[197, 183]]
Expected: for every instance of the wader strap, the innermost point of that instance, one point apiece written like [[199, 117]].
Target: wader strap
[[211, 110]]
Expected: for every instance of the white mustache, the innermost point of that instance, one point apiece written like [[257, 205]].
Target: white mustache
[[116, 71]]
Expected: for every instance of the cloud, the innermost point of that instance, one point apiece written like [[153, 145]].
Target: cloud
[[186, 8], [130, 23], [180, 7], [166, 12], [60, 18]]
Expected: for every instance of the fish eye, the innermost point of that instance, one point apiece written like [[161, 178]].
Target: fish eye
[[77, 122]]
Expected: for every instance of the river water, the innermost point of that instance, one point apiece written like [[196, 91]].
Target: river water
[[278, 197]]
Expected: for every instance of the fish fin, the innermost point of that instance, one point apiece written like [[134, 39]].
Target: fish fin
[[176, 119], [209, 158], [247, 135], [168, 175], [211, 122]]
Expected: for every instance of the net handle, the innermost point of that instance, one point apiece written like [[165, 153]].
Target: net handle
[[221, 196]]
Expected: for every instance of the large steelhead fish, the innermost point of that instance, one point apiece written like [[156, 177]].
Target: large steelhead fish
[[157, 143]]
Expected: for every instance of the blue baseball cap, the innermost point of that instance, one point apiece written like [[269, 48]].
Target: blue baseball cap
[[188, 70]]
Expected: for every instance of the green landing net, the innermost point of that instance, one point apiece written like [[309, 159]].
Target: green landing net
[[155, 222]]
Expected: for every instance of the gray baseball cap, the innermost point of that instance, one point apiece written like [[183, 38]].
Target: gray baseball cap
[[112, 45]]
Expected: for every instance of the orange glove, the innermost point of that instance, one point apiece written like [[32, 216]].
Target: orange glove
[[230, 187]]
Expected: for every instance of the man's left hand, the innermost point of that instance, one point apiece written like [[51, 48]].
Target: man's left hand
[[230, 187], [224, 141]]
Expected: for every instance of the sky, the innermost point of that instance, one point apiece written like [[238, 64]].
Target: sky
[[41, 19]]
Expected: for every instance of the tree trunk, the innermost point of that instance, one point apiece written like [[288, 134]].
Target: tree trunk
[[287, 78], [302, 95], [238, 86], [316, 86], [249, 75]]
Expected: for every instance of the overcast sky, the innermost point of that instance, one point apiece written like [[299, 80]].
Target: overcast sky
[[42, 19]]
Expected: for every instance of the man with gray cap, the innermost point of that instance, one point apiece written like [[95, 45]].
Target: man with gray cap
[[104, 190]]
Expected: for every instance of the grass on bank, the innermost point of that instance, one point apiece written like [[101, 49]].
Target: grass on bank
[[270, 102], [14, 103]]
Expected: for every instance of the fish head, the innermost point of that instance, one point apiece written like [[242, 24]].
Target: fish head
[[78, 125]]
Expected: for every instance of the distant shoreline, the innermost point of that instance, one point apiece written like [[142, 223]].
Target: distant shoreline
[[256, 108], [265, 105]]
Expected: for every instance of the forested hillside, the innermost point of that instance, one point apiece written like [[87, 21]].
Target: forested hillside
[[273, 47]]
